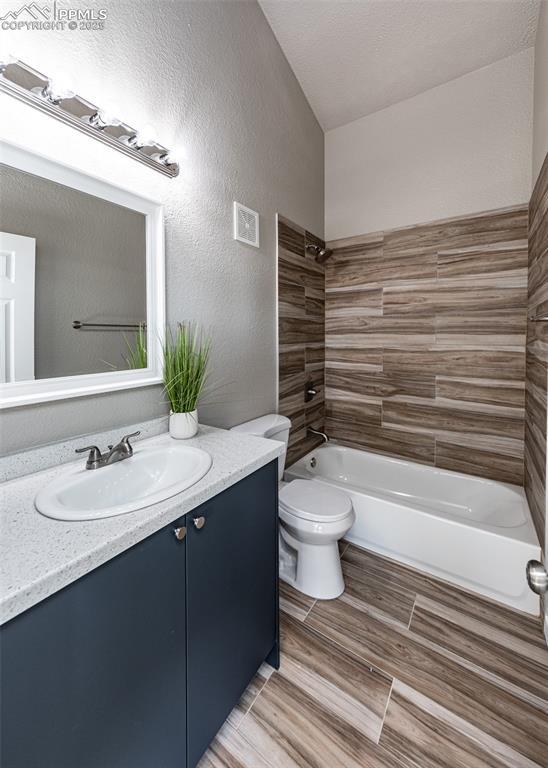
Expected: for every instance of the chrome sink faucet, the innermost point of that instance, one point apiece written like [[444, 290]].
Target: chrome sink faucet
[[119, 452]]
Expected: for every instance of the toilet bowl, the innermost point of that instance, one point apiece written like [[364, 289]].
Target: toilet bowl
[[313, 518]]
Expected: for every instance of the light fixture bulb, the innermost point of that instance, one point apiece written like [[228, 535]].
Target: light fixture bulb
[[103, 119], [168, 159], [57, 90], [134, 141], [146, 135], [108, 118], [143, 138]]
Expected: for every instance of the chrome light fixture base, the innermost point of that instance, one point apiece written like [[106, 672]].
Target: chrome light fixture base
[[32, 87]]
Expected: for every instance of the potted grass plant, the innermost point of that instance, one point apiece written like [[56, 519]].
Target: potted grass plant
[[186, 358]]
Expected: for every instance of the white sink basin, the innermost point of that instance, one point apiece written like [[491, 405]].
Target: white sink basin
[[149, 476]]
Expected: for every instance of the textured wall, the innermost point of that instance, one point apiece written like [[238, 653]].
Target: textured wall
[[301, 332], [540, 104], [90, 266], [425, 342], [537, 354], [211, 80], [462, 147]]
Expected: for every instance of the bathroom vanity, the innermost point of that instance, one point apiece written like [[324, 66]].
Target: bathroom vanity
[[136, 609], [138, 662]]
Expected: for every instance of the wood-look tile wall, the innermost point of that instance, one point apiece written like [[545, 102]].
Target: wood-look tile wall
[[301, 329], [425, 342], [537, 354]]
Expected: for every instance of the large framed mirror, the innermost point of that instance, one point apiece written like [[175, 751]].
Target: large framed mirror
[[82, 283]]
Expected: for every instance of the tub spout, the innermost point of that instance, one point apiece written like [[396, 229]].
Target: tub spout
[[320, 434]]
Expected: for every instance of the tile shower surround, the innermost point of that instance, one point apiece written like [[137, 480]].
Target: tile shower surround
[[425, 332], [537, 354], [301, 329], [425, 342]]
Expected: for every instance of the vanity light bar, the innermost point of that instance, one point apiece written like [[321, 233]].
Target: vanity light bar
[[32, 87]]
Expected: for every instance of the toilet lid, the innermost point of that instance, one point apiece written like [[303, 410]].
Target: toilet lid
[[310, 500]]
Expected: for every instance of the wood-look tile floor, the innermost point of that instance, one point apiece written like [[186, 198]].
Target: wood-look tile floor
[[401, 671]]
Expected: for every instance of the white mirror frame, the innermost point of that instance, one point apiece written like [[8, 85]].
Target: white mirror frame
[[19, 393]]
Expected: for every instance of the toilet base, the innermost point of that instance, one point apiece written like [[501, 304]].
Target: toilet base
[[315, 570]]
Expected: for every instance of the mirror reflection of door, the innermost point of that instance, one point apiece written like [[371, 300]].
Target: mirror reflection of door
[[17, 276]]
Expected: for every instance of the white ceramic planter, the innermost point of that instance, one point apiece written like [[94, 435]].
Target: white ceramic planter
[[183, 425]]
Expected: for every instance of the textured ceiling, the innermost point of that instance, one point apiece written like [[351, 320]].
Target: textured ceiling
[[355, 57]]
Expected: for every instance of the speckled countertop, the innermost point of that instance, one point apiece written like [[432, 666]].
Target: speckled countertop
[[39, 556]]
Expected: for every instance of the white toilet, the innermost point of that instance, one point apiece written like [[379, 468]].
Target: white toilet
[[313, 517]]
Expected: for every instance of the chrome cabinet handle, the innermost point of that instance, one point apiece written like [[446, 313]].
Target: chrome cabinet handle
[[180, 533], [199, 522]]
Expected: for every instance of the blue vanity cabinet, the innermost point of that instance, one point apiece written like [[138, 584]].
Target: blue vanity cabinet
[[232, 600], [95, 675], [138, 663]]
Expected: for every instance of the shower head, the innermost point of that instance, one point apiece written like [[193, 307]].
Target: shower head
[[321, 254]]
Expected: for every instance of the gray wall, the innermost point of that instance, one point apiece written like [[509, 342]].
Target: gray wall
[[211, 77], [90, 266]]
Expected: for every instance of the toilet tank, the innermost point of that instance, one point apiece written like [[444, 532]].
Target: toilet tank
[[273, 427]]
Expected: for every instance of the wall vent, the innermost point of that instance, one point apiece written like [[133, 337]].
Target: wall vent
[[246, 225]]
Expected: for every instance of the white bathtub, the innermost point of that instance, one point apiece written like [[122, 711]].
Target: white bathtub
[[473, 532]]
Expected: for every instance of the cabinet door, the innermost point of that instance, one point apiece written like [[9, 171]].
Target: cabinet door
[[231, 600], [94, 676]]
